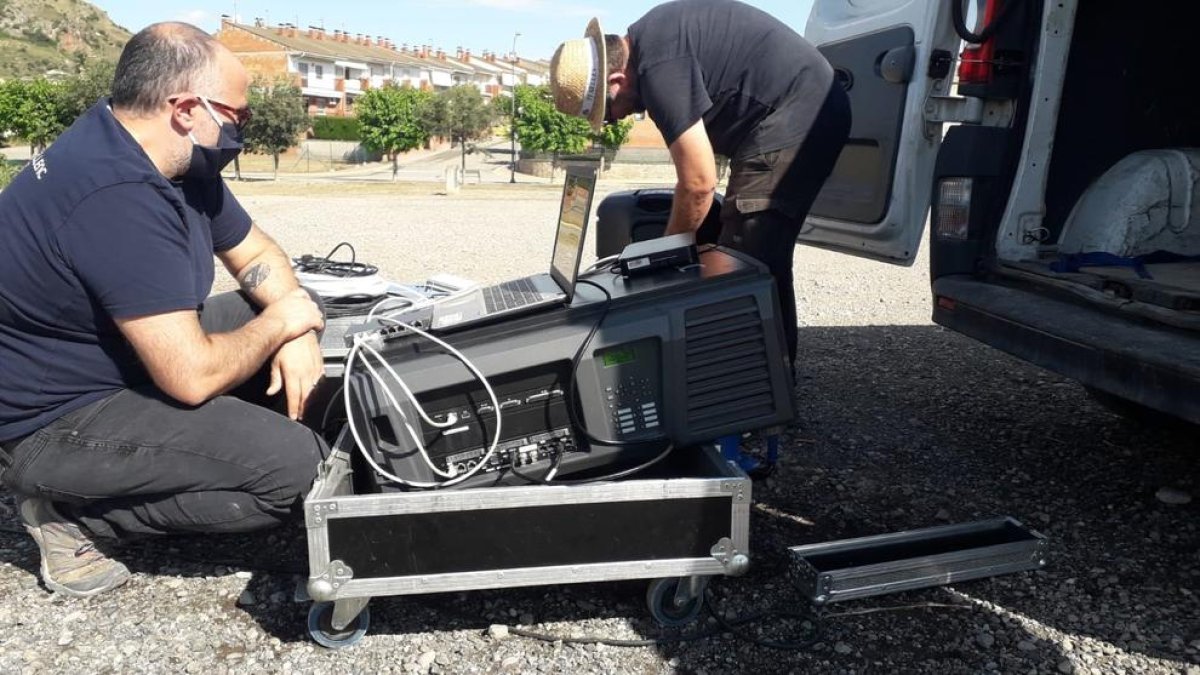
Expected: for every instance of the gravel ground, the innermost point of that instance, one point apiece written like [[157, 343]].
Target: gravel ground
[[902, 425]]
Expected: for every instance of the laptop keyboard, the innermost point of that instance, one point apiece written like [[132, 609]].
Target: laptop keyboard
[[510, 295]]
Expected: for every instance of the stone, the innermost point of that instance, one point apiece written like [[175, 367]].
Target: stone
[[1173, 496], [842, 648], [1066, 667], [985, 640], [1026, 646], [498, 631], [510, 662], [425, 660], [942, 515], [527, 619], [65, 639], [247, 599], [1068, 646], [243, 574]]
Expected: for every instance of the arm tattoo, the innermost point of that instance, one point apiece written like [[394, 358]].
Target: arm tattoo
[[255, 276]]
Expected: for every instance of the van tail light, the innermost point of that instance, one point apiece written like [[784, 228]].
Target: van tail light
[[953, 208], [975, 66]]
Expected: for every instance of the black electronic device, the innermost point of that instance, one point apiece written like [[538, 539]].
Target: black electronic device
[[652, 255], [637, 215], [678, 359]]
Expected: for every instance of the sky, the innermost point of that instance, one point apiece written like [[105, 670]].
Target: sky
[[480, 25]]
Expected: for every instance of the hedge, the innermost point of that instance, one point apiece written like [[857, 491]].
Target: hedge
[[335, 129]]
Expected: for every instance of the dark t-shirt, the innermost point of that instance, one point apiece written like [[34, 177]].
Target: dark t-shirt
[[756, 84], [91, 231]]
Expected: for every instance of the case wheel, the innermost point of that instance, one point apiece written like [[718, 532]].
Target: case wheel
[[675, 601], [320, 626]]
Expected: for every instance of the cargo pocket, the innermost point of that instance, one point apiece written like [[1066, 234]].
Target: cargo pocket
[[752, 182]]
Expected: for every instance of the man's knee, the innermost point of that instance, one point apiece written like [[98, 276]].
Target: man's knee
[[292, 463]]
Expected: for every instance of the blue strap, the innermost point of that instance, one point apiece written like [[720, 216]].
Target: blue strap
[[1072, 262]]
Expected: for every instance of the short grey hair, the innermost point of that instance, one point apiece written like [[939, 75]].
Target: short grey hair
[[161, 60]]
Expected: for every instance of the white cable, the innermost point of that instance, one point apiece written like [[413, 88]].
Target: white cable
[[390, 298], [602, 262], [451, 420], [358, 344], [412, 433]]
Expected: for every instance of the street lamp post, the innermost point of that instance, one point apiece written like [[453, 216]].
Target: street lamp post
[[512, 127]]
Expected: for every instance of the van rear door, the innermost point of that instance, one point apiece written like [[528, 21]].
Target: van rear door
[[892, 57]]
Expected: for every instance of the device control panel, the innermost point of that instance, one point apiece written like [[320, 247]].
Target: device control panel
[[630, 379]]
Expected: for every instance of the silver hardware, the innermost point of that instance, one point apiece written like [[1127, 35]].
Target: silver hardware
[[324, 586]]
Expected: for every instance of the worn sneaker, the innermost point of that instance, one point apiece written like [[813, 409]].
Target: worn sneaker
[[71, 563]]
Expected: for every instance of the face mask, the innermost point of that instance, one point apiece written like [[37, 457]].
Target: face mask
[[207, 162]]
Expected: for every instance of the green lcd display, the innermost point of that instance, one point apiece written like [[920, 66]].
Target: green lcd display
[[616, 357]]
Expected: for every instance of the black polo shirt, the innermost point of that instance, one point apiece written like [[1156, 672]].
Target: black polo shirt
[[90, 231], [756, 84]]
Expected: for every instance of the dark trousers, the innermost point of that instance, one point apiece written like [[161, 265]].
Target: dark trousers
[[769, 196], [141, 463]]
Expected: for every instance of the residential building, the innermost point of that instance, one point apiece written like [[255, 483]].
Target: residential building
[[334, 69]]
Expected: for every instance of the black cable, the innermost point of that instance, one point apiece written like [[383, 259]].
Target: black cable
[[351, 305], [572, 402], [619, 474], [790, 645], [326, 265], [960, 23], [572, 398], [544, 480]]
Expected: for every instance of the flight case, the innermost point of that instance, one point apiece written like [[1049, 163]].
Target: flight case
[[692, 521]]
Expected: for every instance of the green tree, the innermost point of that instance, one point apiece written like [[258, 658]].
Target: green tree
[[393, 120], [279, 117], [612, 137], [7, 172], [81, 91], [33, 110], [541, 127], [460, 114]]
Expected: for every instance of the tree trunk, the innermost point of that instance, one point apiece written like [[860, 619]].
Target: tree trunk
[[553, 165], [237, 168], [463, 143], [395, 165], [276, 155]]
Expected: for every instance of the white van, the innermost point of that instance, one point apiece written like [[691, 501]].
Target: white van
[[1055, 147]]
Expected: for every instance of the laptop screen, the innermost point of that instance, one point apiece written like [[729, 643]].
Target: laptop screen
[[572, 226]]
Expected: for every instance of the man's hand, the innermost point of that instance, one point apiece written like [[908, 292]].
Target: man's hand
[[296, 312], [297, 368]]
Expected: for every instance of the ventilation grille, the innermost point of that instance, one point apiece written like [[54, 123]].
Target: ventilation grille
[[728, 373]]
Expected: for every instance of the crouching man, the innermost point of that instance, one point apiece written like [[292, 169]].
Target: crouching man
[[131, 403]]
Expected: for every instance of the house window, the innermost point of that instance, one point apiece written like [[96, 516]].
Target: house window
[[320, 71], [304, 69], [376, 71]]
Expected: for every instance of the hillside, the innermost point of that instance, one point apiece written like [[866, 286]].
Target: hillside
[[41, 35]]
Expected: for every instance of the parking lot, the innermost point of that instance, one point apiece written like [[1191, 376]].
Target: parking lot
[[902, 425]]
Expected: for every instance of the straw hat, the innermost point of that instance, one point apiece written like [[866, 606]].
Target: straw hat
[[579, 76]]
